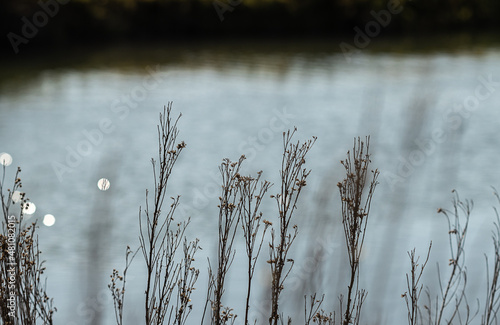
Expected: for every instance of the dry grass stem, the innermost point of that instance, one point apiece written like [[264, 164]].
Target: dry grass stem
[[230, 208], [251, 222], [414, 287], [186, 281], [451, 304], [293, 179], [492, 303], [313, 312], [118, 286], [356, 198], [161, 237]]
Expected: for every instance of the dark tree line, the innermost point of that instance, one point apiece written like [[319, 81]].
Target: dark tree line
[[61, 22]]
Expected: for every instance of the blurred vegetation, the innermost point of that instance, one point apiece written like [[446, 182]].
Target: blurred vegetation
[[86, 21]]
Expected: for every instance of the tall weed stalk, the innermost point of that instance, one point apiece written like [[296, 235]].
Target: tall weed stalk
[[356, 193], [451, 304], [293, 179], [161, 238], [230, 207], [492, 303], [252, 196], [414, 287]]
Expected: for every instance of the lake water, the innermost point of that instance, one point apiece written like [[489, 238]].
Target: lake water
[[433, 116]]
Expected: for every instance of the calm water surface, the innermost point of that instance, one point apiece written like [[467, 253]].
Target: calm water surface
[[432, 116]]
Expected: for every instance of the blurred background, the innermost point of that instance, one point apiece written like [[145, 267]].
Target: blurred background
[[82, 84]]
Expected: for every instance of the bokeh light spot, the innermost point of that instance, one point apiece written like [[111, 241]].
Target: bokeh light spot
[[29, 208], [103, 184], [49, 220], [5, 159], [16, 196]]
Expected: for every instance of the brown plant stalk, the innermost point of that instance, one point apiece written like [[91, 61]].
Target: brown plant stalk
[[453, 292], [356, 193], [251, 222], [492, 304], [414, 287], [293, 179], [160, 238], [230, 208]]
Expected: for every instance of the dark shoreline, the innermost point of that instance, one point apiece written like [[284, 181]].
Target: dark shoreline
[[64, 23], [415, 43]]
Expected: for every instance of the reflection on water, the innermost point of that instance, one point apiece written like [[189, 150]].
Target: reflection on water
[[432, 116]]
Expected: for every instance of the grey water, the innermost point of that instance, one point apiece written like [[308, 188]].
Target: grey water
[[432, 116]]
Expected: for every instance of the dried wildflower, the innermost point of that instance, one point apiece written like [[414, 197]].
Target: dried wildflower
[[356, 203], [293, 180], [181, 145]]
